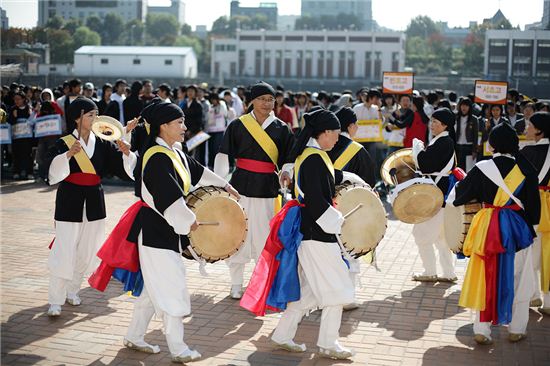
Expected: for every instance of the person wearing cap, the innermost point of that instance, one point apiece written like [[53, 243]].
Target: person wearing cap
[[466, 129], [538, 129], [79, 162], [349, 155], [323, 277], [115, 108], [261, 144], [88, 91], [436, 161], [158, 226], [500, 279]]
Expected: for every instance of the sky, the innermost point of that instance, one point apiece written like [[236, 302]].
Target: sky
[[393, 14]]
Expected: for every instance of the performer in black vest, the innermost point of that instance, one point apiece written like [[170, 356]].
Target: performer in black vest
[[260, 143], [79, 162], [538, 129], [436, 160], [349, 155]]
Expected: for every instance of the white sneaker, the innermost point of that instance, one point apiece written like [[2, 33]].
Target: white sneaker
[[291, 346], [187, 356], [141, 346], [336, 353], [54, 311], [74, 299], [236, 292]]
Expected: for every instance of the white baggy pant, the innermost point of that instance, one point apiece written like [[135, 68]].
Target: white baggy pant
[[164, 293], [428, 233], [259, 212], [537, 258], [72, 256], [324, 282], [524, 286]]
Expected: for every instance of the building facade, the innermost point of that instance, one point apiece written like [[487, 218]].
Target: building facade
[[5, 23], [515, 54], [360, 8], [132, 61], [268, 9], [176, 8], [81, 9], [309, 55]]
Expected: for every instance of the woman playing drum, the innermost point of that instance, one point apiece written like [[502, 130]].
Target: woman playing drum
[[437, 160]]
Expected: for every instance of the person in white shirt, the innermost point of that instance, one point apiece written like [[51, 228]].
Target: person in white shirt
[[215, 127]]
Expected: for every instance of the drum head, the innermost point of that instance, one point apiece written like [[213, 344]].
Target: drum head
[[403, 162], [107, 128], [365, 228], [216, 242], [418, 203], [454, 228]]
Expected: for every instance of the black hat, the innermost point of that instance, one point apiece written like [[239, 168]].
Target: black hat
[[316, 122], [504, 139], [346, 116], [158, 112], [541, 121], [445, 116], [260, 89], [78, 106]]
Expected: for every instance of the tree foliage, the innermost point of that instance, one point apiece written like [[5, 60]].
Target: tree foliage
[[162, 27], [330, 22]]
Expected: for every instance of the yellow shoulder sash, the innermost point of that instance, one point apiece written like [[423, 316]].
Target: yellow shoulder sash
[[82, 159], [178, 164], [512, 181], [308, 152], [348, 154], [261, 137]]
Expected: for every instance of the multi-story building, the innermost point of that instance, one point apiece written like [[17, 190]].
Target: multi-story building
[[176, 8], [361, 8], [515, 54], [81, 9], [4, 19], [268, 9], [546, 15], [309, 55]]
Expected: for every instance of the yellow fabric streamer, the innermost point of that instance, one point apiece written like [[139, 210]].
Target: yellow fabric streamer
[[82, 159], [178, 164], [544, 232]]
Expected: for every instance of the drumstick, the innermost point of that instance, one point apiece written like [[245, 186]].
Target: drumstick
[[408, 166], [353, 211], [209, 223]]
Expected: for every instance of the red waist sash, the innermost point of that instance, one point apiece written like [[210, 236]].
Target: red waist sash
[[544, 188], [256, 166], [83, 179], [514, 207]]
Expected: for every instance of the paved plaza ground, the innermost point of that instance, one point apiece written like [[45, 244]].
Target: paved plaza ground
[[399, 322]]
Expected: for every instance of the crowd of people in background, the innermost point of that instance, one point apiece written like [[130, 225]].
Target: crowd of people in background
[[212, 108]]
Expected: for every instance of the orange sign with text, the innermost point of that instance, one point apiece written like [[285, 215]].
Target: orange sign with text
[[491, 92], [398, 82]]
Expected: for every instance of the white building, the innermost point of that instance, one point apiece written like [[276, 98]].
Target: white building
[[309, 55], [132, 61], [515, 54], [81, 9]]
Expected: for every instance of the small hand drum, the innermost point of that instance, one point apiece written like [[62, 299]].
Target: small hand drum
[[107, 128]]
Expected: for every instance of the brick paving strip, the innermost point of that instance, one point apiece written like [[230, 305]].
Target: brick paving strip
[[400, 322]]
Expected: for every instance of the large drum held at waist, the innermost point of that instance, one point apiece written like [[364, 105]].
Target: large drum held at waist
[[222, 224], [456, 221], [365, 228]]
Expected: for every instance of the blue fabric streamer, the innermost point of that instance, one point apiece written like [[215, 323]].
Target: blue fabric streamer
[[132, 281], [286, 286]]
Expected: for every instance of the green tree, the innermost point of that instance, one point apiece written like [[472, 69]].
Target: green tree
[[422, 26], [55, 22], [186, 41], [113, 25], [133, 33], [83, 36], [186, 30], [162, 27], [61, 46], [94, 23], [307, 22], [72, 24], [220, 26]]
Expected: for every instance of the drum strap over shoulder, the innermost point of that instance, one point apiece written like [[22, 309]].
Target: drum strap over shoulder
[[545, 167], [176, 161], [261, 137], [82, 159], [308, 152], [515, 178], [349, 152]]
